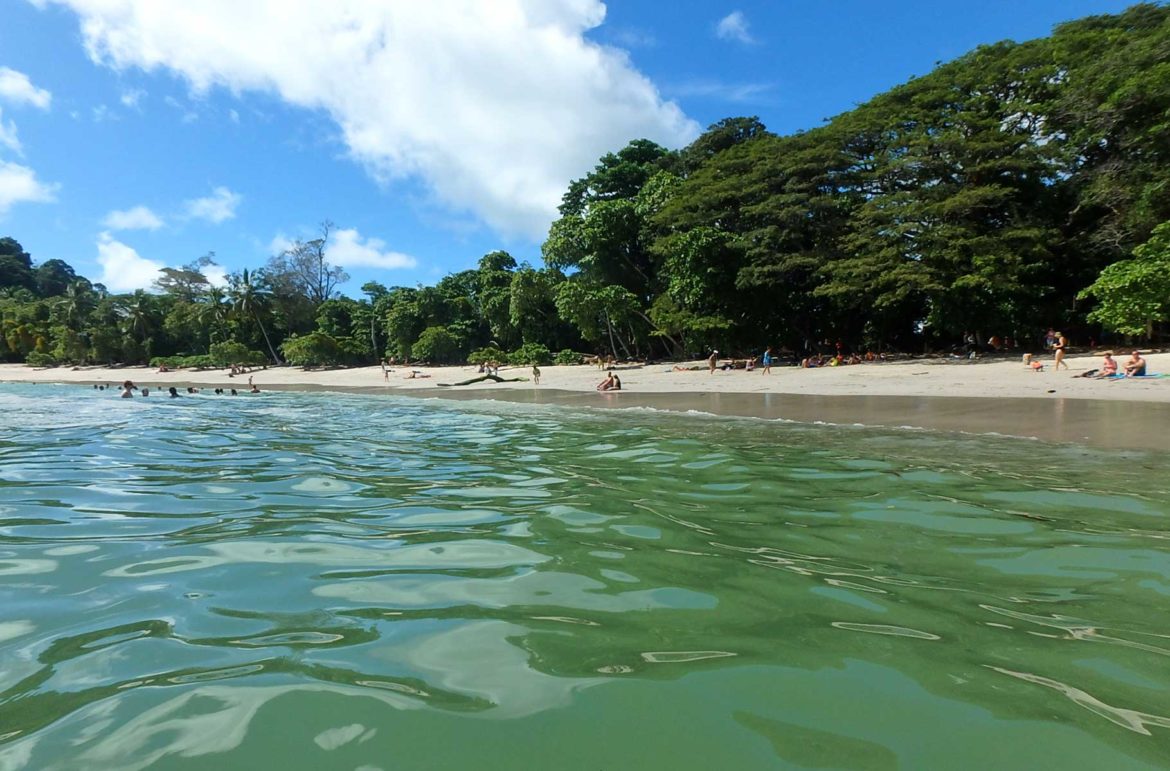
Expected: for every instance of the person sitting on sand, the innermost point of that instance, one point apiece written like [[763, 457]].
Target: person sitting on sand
[[1108, 366], [1036, 365], [617, 383], [608, 383], [1136, 366]]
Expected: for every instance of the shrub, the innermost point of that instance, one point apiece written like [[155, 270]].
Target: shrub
[[437, 345], [229, 352], [531, 353], [567, 356], [312, 350], [484, 355], [39, 359]]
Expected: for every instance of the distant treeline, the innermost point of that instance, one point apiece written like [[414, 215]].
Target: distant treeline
[[1018, 188]]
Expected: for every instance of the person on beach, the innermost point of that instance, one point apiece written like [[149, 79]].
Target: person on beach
[[608, 383], [1136, 366], [768, 360], [385, 370], [1108, 366], [712, 362], [617, 383], [1058, 350], [535, 374]]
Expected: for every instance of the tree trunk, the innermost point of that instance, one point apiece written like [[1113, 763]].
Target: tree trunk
[[263, 331]]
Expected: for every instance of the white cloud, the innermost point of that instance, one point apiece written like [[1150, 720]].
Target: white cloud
[[132, 98], [8, 136], [729, 92], [216, 275], [18, 89], [218, 207], [123, 269], [734, 26], [137, 218], [494, 106], [19, 184], [347, 250]]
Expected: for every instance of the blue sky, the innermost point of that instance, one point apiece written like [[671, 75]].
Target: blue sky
[[136, 134]]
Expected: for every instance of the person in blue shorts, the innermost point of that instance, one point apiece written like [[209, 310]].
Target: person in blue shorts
[[768, 360], [1136, 366]]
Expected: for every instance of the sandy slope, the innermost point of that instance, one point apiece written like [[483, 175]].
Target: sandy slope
[[928, 377]]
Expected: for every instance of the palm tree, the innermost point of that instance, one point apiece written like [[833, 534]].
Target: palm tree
[[138, 319], [213, 313], [250, 297], [75, 305]]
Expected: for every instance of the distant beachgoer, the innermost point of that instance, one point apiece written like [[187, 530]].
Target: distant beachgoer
[[1050, 338], [95, 386], [234, 392], [1108, 366], [254, 390], [1036, 365], [385, 370], [249, 380], [712, 362], [608, 383], [750, 364], [617, 383], [535, 374], [1058, 350], [768, 360], [127, 390], [174, 392], [1136, 366], [145, 391]]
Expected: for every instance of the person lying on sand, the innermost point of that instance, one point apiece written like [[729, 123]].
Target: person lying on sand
[[415, 373]]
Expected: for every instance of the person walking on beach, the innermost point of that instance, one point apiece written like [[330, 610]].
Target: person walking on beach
[[712, 362], [1058, 349], [535, 374], [768, 360]]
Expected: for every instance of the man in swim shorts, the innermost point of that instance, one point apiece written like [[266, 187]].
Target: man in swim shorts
[[1136, 366]]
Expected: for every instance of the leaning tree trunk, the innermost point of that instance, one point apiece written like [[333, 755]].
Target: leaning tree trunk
[[263, 331]]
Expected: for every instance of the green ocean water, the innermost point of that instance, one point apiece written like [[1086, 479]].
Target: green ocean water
[[322, 581]]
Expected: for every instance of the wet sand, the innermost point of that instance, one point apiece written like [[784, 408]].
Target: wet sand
[[1095, 423]]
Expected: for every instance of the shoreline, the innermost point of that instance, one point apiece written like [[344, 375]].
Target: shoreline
[[981, 397]]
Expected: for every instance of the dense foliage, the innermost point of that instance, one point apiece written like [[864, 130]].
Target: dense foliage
[[1020, 187]]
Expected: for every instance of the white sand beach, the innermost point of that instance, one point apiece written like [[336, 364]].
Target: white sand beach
[[1001, 379], [1000, 396]]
